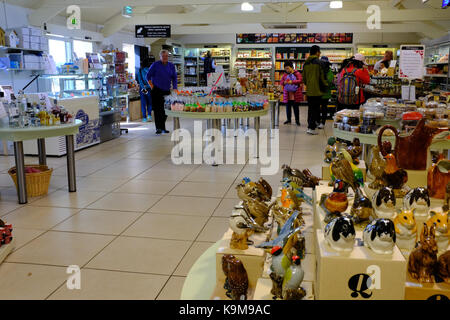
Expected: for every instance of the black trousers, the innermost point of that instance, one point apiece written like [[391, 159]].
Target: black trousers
[[158, 107], [323, 111], [313, 111], [294, 105]]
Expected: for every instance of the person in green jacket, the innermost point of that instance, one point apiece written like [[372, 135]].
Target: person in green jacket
[[316, 85], [326, 97]]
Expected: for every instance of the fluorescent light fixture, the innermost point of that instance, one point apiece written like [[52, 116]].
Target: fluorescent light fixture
[[335, 4], [245, 6]]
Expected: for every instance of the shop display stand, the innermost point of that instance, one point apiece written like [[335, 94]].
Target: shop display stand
[[249, 58], [221, 56], [176, 57], [191, 67], [6, 249], [437, 71]]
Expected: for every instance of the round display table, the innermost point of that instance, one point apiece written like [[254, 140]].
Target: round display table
[[216, 117], [18, 135], [201, 279]]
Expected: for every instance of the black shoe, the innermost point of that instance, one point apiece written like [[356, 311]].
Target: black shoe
[[298, 124], [158, 131], [165, 131], [287, 122]]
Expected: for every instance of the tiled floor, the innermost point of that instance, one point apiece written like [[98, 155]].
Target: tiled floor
[[137, 223]]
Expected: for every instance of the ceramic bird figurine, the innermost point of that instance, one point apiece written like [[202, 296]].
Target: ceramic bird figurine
[[248, 190], [362, 208], [258, 210], [376, 168], [285, 231], [355, 150], [442, 228], [394, 176], [406, 229], [336, 202], [292, 280], [343, 169], [243, 226], [280, 263], [288, 199], [302, 178], [330, 150], [298, 190], [281, 215]]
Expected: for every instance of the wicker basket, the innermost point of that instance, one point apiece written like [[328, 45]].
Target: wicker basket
[[37, 183]]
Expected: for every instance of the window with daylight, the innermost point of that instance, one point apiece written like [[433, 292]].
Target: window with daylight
[[81, 47]]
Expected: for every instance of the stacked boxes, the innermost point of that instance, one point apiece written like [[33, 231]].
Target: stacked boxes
[[33, 62], [31, 38]]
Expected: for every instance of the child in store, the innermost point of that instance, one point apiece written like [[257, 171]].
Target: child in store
[[292, 92]]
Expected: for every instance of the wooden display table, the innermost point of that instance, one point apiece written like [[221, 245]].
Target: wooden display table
[[18, 135]]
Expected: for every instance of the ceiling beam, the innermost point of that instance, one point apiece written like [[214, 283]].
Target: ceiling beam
[[136, 3], [311, 28], [340, 16], [42, 15]]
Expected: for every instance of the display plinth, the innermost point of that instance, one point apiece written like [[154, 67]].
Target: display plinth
[[415, 290], [326, 170], [6, 249], [343, 276], [264, 285]]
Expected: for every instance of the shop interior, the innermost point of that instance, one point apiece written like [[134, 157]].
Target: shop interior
[[92, 185]]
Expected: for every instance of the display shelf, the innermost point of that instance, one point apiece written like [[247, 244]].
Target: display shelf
[[436, 75], [20, 49]]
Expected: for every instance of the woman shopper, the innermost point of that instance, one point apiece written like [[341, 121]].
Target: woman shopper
[[208, 65], [161, 76], [292, 91], [326, 97], [352, 79], [144, 90]]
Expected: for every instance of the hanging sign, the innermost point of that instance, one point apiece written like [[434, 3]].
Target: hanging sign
[[411, 61], [153, 31]]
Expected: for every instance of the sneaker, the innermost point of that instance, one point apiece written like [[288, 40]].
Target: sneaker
[[320, 126], [287, 122], [149, 118], [158, 131], [311, 132], [144, 120], [165, 131]]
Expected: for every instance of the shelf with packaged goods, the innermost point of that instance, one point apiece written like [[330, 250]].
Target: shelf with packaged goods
[[437, 75], [254, 58], [20, 49]]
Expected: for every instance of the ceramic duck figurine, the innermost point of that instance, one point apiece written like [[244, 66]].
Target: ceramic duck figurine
[[419, 200], [292, 280], [340, 234], [384, 202], [406, 229], [442, 229], [379, 236], [337, 201], [362, 208], [330, 150], [423, 259]]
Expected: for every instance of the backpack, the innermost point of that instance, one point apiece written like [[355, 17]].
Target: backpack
[[347, 88], [291, 87]]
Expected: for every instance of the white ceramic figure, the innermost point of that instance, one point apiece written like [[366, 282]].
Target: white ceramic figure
[[384, 202], [379, 236], [340, 233], [419, 200], [406, 229]]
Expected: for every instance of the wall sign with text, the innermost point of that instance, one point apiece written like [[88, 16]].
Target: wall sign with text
[[153, 31], [294, 38]]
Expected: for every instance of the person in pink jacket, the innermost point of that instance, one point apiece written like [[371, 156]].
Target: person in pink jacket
[[292, 91]]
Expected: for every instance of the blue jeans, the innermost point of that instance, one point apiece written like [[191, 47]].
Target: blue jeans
[[146, 104]]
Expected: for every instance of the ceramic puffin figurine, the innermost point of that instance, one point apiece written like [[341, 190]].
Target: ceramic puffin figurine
[[419, 200], [292, 280], [406, 229], [442, 233], [384, 202], [379, 236], [340, 234]]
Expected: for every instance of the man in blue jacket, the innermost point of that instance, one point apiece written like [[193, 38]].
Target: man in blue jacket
[[144, 90], [161, 76]]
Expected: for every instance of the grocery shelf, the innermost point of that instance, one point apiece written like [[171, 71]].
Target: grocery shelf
[[436, 75]]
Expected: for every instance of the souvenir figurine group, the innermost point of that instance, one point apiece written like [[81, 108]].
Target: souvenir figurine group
[[5, 233]]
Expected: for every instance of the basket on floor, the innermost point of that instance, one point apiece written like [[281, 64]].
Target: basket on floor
[[37, 183]]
